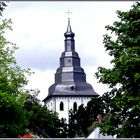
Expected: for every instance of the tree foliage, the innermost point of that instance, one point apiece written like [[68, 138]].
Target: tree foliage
[[20, 110], [81, 122], [120, 106], [123, 115], [72, 126], [2, 6], [12, 77], [43, 122], [14, 118]]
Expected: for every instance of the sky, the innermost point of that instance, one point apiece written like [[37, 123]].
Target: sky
[[38, 31]]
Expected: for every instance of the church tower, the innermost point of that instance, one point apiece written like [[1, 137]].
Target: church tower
[[70, 89]]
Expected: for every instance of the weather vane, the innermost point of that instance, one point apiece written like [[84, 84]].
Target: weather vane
[[69, 14]]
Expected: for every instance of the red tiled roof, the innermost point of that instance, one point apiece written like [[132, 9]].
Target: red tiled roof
[[26, 136]]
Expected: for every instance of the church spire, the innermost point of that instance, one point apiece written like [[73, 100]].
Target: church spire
[[69, 38], [69, 32], [70, 78], [69, 26]]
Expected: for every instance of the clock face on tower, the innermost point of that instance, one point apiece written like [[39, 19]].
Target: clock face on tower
[[69, 60]]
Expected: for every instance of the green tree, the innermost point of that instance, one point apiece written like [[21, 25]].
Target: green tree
[[13, 117], [82, 121], [21, 111], [94, 107], [12, 77], [2, 6], [72, 125], [43, 122], [63, 128], [123, 79]]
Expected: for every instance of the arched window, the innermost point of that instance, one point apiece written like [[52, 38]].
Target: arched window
[[61, 106], [75, 106]]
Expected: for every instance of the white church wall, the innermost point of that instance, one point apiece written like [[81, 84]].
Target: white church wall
[[86, 100], [51, 104], [48, 104], [72, 100], [68, 102], [64, 112]]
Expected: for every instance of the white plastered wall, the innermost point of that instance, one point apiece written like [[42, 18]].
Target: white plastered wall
[[54, 104]]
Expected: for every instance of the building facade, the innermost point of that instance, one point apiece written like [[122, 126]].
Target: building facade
[[70, 89]]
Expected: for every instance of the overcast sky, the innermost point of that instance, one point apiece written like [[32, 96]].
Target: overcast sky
[[38, 31]]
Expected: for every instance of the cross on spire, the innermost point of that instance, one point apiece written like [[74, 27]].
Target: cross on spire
[[69, 13]]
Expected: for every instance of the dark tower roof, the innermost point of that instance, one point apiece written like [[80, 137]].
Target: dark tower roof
[[70, 78]]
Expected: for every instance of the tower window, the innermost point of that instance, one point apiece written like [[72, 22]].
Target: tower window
[[61, 106], [75, 106]]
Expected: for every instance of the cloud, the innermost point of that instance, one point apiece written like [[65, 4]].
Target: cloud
[[41, 80], [40, 58]]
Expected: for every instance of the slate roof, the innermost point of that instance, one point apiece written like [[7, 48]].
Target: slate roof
[[70, 78]]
